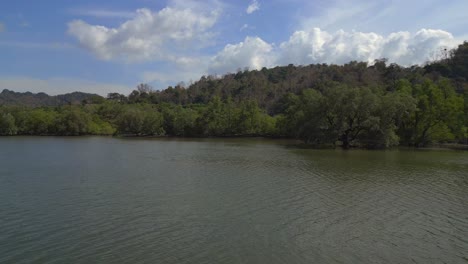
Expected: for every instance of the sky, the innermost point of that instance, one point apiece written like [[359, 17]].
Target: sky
[[100, 47]]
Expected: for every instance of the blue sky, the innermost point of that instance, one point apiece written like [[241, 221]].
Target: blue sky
[[103, 46]]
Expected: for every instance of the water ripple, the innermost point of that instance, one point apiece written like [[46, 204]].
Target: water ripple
[[239, 201]]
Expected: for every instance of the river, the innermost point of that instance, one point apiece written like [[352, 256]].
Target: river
[[111, 200]]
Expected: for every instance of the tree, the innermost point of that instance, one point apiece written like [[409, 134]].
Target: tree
[[73, 122], [349, 112], [391, 109], [250, 118], [347, 115], [7, 125], [437, 115], [180, 121], [116, 97], [130, 122], [144, 88], [303, 117], [152, 123], [214, 121], [38, 122]]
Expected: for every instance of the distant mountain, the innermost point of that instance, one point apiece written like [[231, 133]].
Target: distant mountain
[[8, 97]]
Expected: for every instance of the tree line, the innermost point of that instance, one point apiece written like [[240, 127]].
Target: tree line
[[352, 105], [217, 118]]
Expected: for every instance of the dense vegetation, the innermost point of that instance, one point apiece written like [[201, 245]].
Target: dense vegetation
[[8, 97], [353, 105]]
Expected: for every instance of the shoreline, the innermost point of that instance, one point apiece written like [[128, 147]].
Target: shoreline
[[294, 142]]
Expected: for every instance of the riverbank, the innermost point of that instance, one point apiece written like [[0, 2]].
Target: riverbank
[[448, 146], [296, 143]]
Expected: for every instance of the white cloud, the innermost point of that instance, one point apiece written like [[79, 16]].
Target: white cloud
[[253, 52], [318, 46], [2, 27], [148, 36], [54, 86], [254, 6]]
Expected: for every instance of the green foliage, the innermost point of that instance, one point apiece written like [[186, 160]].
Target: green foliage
[[216, 119], [110, 110], [452, 64], [179, 121], [72, 122], [38, 122], [130, 122], [390, 110], [438, 116], [11, 98], [352, 105], [7, 125], [152, 123], [226, 119], [345, 116], [304, 119], [98, 126], [140, 121]]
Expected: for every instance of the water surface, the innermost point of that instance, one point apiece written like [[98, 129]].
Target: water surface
[[108, 200]]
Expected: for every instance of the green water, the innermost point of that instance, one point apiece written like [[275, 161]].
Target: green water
[[108, 200]]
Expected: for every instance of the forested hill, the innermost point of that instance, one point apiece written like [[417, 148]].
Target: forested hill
[[269, 86], [352, 105], [8, 97]]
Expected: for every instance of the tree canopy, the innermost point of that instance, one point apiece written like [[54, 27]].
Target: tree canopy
[[353, 105]]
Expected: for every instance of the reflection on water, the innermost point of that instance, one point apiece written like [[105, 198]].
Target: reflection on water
[[106, 200]]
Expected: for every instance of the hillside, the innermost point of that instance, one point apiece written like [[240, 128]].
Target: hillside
[[269, 86], [352, 105], [29, 99]]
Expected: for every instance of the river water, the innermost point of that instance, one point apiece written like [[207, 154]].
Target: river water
[[109, 200]]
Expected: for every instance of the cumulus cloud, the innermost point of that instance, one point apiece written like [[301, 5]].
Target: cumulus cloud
[[318, 46], [176, 33], [253, 52], [254, 6], [147, 36], [54, 86]]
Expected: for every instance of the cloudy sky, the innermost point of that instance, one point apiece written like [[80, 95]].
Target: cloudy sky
[[111, 46]]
